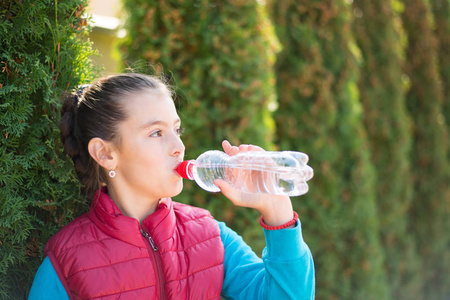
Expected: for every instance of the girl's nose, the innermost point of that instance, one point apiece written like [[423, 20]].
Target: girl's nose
[[178, 147]]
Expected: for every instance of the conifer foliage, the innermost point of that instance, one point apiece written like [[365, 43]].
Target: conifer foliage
[[219, 56], [441, 12], [319, 113], [431, 202], [388, 125], [41, 57]]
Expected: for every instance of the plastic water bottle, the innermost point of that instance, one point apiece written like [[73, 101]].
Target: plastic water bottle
[[279, 173]]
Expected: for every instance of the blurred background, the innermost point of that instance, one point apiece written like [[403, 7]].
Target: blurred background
[[362, 87]]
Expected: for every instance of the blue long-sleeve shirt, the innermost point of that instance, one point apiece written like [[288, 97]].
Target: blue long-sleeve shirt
[[286, 270]]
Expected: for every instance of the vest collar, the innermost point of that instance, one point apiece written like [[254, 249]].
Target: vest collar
[[107, 216]]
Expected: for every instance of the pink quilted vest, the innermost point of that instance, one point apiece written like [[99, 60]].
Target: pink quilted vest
[[176, 253]]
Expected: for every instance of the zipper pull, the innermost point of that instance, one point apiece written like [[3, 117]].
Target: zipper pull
[[150, 240]]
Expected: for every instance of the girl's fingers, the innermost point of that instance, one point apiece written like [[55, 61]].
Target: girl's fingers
[[226, 146], [237, 197], [227, 190], [244, 147], [255, 148], [233, 150], [230, 150]]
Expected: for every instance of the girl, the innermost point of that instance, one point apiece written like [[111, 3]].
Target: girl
[[123, 135]]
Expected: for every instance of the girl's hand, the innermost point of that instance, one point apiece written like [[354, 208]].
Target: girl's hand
[[276, 209]]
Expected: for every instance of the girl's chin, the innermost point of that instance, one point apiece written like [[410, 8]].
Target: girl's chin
[[178, 190]]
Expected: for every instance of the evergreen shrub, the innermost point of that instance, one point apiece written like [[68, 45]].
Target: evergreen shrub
[[430, 208], [441, 12], [42, 56], [382, 94], [320, 114]]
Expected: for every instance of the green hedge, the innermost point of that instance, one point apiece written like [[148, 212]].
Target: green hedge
[[41, 57], [441, 12], [382, 93], [320, 113], [431, 205]]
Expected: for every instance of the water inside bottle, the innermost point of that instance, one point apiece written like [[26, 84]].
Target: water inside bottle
[[255, 172], [208, 174], [257, 179]]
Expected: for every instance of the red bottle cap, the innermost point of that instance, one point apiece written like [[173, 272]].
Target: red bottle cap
[[185, 169]]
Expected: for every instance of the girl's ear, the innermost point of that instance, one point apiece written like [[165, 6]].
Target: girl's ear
[[102, 152]]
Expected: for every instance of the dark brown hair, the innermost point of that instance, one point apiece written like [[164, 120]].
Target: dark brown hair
[[95, 111]]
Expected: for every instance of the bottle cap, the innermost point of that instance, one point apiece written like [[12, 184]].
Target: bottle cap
[[185, 169]]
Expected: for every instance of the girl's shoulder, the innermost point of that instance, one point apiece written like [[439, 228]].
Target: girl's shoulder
[[78, 228]]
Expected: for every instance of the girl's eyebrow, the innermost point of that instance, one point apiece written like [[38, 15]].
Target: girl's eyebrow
[[158, 122]]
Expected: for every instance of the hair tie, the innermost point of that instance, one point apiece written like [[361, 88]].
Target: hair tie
[[79, 93]]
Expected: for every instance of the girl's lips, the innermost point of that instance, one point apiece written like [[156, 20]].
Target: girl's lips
[[176, 168]]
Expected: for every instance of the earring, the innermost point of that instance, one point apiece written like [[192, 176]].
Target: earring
[[112, 173]]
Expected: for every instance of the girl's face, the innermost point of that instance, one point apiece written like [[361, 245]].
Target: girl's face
[[150, 147]]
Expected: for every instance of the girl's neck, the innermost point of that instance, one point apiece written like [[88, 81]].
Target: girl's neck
[[133, 205]]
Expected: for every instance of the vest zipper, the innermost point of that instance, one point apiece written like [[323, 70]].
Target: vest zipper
[[158, 263]]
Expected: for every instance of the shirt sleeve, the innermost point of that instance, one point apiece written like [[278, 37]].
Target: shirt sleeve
[[286, 270], [46, 284]]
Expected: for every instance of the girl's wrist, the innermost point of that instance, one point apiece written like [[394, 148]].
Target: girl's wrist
[[279, 212], [289, 224]]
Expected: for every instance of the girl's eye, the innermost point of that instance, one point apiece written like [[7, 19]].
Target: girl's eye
[[180, 131], [157, 133]]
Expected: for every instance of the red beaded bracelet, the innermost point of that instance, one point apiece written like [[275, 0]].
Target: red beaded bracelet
[[285, 225]]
